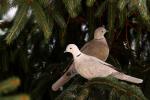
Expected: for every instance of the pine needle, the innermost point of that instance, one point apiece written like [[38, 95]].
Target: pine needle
[[90, 3], [41, 19], [4, 6], [73, 7], [18, 25]]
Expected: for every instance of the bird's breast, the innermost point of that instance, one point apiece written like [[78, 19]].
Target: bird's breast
[[83, 69]]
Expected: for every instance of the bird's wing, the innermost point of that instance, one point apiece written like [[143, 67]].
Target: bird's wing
[[90, 67], [93, 44], [104, 63], [100, 61], [97, 48]]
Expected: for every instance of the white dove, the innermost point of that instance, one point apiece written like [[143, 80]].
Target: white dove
[[90, 67], [97, 47]]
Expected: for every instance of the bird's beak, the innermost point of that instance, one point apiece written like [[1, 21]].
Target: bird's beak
[[65, 51]]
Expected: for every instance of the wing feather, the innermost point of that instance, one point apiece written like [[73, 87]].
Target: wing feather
[[105, 63]]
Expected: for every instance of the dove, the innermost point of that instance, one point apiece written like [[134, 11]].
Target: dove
[[97, 47], [91, 67]]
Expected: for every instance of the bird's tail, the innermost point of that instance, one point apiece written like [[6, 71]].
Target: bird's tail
[[64, 79], [128, 78]]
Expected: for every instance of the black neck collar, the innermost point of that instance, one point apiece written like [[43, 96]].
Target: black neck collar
[[78, 55]]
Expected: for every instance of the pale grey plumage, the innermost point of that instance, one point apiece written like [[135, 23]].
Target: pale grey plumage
[[90, 67], [97, 47]]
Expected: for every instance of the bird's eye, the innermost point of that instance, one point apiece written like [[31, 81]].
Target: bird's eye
[[102, 31], [70, 48]]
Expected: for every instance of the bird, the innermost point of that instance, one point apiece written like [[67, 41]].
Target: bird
[[97, 47], [91, 67]]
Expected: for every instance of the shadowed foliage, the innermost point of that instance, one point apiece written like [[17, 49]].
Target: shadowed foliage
[[32, 45]]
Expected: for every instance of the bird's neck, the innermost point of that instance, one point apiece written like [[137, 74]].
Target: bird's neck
[[99, 38], [77, 55]]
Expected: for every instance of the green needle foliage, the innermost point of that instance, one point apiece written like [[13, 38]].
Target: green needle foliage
[[142, 8], [122, 4], [19, 23], [44, 3], [90, 3], [40, 31], [16, 97], [101, 9], [41, 19], [9, 85], [112, 15], [120, 87], [117, 89], [5, 6], [73, 7], [57, 16]]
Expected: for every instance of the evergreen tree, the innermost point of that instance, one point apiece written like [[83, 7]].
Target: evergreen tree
[[32, 45]]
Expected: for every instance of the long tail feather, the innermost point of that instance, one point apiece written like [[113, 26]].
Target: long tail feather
[[64, 79], [128, 78]]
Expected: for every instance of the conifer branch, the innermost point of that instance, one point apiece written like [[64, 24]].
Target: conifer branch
[[122, 18], [117, 90], [141, 6], [56, 14], [45, 3], [9, 85], [73, 7], [41, 19], [16, 97], [101, 9], [4, 6], [90, 3], [111, 16], [122, 88], [121, 4], [19, 23]]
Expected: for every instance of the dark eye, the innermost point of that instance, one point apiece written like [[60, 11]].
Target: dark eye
[[102, 31], [70, 48]]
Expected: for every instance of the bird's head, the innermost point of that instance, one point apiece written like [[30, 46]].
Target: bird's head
[[72, 48], [99, 32]]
